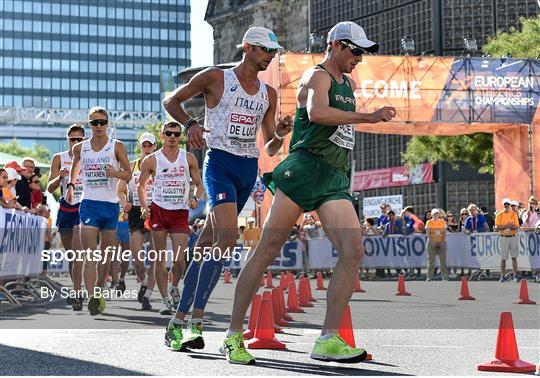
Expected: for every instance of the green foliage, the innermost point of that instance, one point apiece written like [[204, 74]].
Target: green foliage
[[474, 149], [521, 44], [37, 152], [155, 129]]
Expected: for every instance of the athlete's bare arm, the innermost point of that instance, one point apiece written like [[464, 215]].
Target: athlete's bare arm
[[208, 82], [272, 144], [313, 94], [195, 175], [122, 190], [56, 174], [148, 168], [124, 173], [75, 167]]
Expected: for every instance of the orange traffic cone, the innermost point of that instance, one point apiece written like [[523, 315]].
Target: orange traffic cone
[[358, 286], [524, 294], [284, 314], [292, 299], [401, 286], [265, 337], [346, 330], [309, 291], [465, 291], [269, 284], [320, 282], [253, 315], [290, 278], [268, 295], [506, 352], [304, 295], [277, 309], [282, 280], [227, 277]]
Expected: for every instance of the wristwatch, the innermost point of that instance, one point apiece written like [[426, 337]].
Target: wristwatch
[[70, 184], [190, 122], [196, 198]]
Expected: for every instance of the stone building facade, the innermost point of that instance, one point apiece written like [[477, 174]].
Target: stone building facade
[[231, 18]]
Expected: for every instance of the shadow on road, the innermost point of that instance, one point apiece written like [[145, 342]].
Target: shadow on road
[[41, 363]]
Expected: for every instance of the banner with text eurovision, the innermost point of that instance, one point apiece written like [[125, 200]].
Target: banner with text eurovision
[[21, 242]]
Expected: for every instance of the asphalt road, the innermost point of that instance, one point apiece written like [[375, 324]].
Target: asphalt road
[[428, 333]]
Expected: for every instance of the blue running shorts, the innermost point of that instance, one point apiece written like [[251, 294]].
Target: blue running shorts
[[99, 214]]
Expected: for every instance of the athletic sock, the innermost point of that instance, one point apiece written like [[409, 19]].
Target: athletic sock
[[210, 271], [148, 293], [190, 285], [327, 336], [231, 333], [165, 299], [193, 321], [175, 320], [144, 282]]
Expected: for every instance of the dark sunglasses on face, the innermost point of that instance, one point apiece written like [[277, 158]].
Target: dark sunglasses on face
[[268, 50], [175, 133], [96, 122], [506, 204], [356, 51], [76, 139]]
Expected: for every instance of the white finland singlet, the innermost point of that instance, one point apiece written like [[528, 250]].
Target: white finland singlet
[[235, 120], [96, 185], [171, 182], [132, 186], [66, 162]]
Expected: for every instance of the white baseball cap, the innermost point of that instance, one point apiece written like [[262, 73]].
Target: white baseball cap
[[259, 36], [514, 203], [147, 137], [12, 174], [353, 32], [251, 220], [435, 211], [506, 200]]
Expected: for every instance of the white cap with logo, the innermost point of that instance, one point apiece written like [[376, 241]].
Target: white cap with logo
[[147, 137], [12, 174], [259, 36], [507, 200], [348, 30], [435, 211]]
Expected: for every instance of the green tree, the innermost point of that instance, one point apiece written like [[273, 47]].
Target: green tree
[[477, 149], [37, 151], [155, 129]]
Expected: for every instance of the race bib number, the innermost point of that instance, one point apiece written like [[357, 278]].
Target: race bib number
[[77, 190], [149, 192], [173, 191], [242, 131], [343, 136], [95, 175]]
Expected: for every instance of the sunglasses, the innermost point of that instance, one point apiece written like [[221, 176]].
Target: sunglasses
[[356, 51], [98, 122], [506, 204], [268, 50], [76, 139], [171, 133]]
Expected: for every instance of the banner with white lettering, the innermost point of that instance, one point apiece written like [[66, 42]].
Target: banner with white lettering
[[479, 250], [21, 242], [371, 205]]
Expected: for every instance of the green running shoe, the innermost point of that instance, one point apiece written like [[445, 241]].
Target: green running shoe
[[193, 338], [337, 350], [96, 306], [233, 348], [173, 337]]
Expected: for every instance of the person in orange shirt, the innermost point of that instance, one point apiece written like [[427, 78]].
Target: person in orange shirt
[[251, 234], [507, 224], [436, 244]]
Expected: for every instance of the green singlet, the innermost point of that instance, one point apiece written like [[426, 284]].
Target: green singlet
[[317, 168]]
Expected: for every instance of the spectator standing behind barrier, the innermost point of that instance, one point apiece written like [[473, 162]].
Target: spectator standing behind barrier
[[463, 214], [507, 224], [252, 234], [382, 220], [490, 220], [8, 192], [427, 216], [413, 223], [23, 185], [393, 227], [36, 196], [475, 222], [436, 244], [369, 226], [453, 226], [3, 184], [531, 215]]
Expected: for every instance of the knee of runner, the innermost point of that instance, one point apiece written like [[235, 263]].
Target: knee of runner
[[353, 255]]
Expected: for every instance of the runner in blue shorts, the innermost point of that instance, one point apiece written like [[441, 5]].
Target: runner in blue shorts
[[67, 220], [102, 161], [237, 105]]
